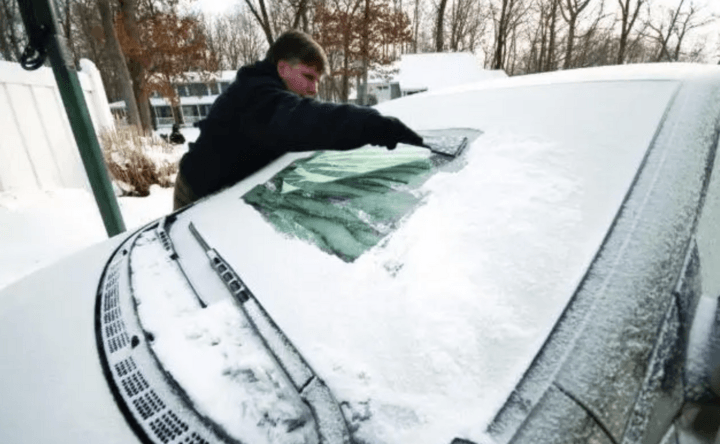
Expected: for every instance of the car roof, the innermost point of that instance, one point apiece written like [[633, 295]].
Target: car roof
[[631, 72]]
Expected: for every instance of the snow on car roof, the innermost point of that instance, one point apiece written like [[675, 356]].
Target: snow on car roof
[[646, 71], [438, 70]]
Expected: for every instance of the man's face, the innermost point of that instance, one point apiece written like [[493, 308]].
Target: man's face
[[299, 78]]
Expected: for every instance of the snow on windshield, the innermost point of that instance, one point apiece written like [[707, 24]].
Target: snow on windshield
[[423, 337]]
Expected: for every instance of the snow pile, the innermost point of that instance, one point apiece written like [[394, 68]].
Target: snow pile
[[39, 227], [450, 314], [440, 70]]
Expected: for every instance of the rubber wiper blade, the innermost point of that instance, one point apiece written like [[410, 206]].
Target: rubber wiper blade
[[329, 419], [164, 236]]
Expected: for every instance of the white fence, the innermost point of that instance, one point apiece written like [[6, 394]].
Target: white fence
[[37, 147]]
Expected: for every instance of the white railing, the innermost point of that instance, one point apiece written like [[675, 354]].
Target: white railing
[[165, 121], [37, 147], [192, 119]]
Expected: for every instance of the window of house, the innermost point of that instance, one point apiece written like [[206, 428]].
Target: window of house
[[197, 89], [190, 111], [224, 86], [214, 88], [203, 110], [163, 111]]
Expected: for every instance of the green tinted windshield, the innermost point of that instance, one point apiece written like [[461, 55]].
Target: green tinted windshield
[[345, 202]]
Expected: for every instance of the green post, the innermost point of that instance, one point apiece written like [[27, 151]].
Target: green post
[[39, 17]]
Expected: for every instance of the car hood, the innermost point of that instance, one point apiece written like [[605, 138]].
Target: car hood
[[53, 387]]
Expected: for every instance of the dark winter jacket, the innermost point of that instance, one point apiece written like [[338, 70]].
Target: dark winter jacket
[[256, 120], [176, 138]]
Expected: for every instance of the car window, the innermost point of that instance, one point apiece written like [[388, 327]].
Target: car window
[[708, 236]]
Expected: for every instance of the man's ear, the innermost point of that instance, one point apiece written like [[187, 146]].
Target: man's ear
[[283, 68]]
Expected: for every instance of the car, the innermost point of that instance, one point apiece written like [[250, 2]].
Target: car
[[555, 281]]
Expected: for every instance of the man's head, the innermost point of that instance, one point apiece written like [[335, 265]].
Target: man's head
[[300, 62]]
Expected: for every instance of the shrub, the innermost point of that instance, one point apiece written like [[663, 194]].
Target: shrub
[[136, 161]]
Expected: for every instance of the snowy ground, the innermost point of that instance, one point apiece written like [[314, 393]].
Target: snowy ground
[[39, 227]]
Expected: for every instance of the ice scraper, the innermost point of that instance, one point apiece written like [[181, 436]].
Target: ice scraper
[[447, 145]]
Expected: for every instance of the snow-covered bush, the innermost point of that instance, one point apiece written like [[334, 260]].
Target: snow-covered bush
[[136, 161]]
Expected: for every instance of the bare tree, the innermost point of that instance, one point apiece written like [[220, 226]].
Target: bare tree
[[596, 43], [670, 32], [439, 26], [468, 23], [129, 22], [629, 11], [236, 39], [506, 17], [12, 35], [416, 23], [63, 9], [541, 55], [570, 10], [260, 11], [113, 49]]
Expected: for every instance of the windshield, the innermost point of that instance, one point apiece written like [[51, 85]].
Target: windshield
[[420, 293], [346, 202]]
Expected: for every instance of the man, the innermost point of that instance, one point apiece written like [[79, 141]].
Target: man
[[268, 111]]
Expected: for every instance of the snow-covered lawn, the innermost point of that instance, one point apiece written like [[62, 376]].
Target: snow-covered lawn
[[39, 227]]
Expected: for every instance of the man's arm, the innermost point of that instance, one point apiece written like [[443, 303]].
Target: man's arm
[[286, 122]]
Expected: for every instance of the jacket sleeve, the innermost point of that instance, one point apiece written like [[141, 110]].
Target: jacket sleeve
[[285, 122]]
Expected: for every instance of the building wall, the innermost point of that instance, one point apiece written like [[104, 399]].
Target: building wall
[[37, 146]]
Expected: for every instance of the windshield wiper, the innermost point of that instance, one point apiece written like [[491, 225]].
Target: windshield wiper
[[331, 425]]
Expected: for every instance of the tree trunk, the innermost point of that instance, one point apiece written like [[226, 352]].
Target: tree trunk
[[550, 60], [500, 37], [112, 47], [417, 26], [365, 55], [12, 45], [137, 71], [570, 44], [628, 18], [263, 19], [439, 26]]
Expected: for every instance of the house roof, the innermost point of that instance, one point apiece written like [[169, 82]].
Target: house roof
[[439, 70]]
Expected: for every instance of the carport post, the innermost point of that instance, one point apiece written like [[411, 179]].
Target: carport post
[[40, 24]]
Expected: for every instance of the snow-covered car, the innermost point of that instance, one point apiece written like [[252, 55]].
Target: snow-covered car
[[556, 281]]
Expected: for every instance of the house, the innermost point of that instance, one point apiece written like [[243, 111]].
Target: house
[[197, 93], [431, 71], [415, 73]]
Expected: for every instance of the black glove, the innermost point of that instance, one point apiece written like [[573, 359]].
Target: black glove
[[390, 131]]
